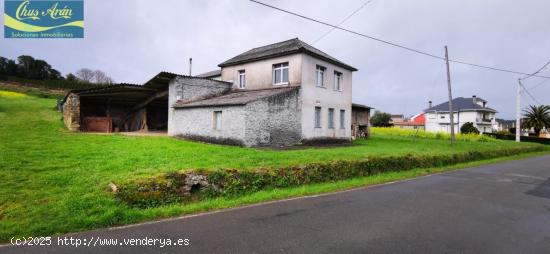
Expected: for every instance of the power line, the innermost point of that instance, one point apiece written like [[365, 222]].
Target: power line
[[536, 72], [530, 95], [397, 45], [343, 21]]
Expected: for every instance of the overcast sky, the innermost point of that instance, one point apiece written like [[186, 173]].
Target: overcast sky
[[133, 40]]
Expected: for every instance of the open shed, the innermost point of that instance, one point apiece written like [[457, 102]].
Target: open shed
[[120, 107]]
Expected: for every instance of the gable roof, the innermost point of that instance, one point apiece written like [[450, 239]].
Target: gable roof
[[210, 74], [462, 104], [283, 48], [236, 98]]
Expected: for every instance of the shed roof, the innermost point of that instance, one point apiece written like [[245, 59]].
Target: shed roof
[[236, 98], [283, 48], [210, 74], [357, 105]]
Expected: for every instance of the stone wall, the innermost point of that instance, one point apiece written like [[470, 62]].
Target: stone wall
[[71, 112], [198, 123], [274, 121]]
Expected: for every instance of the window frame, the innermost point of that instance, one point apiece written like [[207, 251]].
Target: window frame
[[330, 117], [318, 117], [241, 79], [320, 69], [217, 123], [342, 118], [281, 67], [338, 76]]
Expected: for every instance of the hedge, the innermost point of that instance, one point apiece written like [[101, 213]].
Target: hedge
[[194, 185]]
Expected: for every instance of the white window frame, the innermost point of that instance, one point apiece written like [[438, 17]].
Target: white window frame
[[320, 76], [330, 117], [242, 79], [337, 82], [281, 67], [317, 117], [217, 120], [342, 118]]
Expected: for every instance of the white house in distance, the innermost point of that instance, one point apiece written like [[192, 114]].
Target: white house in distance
[[465, 110]]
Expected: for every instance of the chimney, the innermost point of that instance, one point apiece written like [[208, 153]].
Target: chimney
[[429, 104], [474, 99], [190, 65]]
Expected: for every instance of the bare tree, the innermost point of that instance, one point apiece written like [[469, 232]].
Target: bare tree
[[85, 75], [101, 78]]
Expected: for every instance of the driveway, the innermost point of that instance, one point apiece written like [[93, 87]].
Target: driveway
[[500, 208]]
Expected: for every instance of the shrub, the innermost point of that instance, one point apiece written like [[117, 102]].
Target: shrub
[[179, 187], [468, 128], [430, 135]]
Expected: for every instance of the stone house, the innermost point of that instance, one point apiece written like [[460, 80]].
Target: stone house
[[281, 94]]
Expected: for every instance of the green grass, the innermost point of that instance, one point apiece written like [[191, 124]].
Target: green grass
[[53, 181]]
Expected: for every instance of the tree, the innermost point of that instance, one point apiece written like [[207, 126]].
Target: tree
[[381, 119], [85, 75], [71, 77], [101, 78], [537, 117], [25, 63], [468, 127]]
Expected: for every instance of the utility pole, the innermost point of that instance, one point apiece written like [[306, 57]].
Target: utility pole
[[518, 113], [451, 113]]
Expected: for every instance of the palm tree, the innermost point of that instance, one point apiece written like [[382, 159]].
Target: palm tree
[[537, 117]]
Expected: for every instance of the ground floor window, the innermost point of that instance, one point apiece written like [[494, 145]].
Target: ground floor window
[[331, 118], [217, 123], [317, 117], [342, 119]]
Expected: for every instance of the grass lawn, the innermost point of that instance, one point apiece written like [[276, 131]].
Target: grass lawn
[[53, 181]]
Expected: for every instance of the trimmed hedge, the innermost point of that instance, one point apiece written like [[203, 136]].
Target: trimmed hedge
[[189, 186]]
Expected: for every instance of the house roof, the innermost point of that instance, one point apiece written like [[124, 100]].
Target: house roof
[[283, 48], [236, 98], [462, 104], [210, 74]]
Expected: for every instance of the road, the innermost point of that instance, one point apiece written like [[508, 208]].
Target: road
[[499, 208]]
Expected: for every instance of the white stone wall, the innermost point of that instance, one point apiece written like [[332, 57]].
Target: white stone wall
[[200, 122], [325, 98]]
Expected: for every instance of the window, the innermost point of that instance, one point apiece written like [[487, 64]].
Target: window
[[280, 74], [179, 92], [342, 119], [217, 124], [317, 117], [337, 81], [320, 76], [331, 118], [242, 79]]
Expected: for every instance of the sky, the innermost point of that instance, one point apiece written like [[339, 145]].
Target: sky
[[133, 40]]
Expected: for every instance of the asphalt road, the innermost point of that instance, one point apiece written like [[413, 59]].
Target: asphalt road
[[500, 208]]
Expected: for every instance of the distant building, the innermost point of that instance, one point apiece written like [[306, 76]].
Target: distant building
[[465, 110], [397, 118], [501, 124], [418, 121]]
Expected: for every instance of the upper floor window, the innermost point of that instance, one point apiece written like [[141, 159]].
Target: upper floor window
[[320, 76], [242, 79], [280, 74], [179, 92], [337, 81]]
